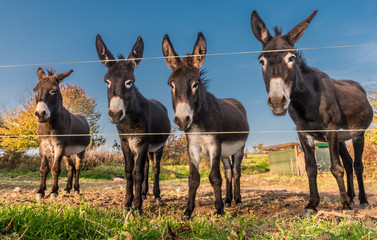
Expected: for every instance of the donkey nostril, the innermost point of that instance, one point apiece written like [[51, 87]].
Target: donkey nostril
[[176, 120], [187, 119], [43, 113], [269, 101], [284, 100], [115, 115]]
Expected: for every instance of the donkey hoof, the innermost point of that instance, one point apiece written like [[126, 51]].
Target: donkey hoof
[[187, 215], [308, 212], [66, 192], [127, 209], [220, 212], [346, 207], [143, 197], [39, 196], [239, 205], [77, 193], [365, 206], [227, 205], [158, 201], [53, 195]]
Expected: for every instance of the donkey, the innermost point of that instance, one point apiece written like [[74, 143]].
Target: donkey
[[134, 114], [320, 107], [196, 111], [54, 119]]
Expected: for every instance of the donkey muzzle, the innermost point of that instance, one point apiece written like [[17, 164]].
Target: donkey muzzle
[[117, 110], [183, 116], [42, 112], [278, 104], [278, 96]]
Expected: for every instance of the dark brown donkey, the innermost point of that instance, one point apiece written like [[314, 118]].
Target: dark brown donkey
[[197, 110], [56, 120], [315, 102], [134, 114]]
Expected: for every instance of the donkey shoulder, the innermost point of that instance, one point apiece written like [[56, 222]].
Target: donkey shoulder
[[79, 120], [233, 102], [153, 103]]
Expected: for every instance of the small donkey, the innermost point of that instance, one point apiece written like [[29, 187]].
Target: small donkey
[[65, 129]]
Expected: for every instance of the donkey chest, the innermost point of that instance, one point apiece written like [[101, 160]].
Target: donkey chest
[[53, 146], [137, 144], [209, 145]]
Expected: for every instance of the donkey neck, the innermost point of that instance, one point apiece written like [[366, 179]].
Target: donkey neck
[[305, 94], [209, 114], [137, 103]]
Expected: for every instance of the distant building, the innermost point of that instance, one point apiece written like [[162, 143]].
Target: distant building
[[288, 158]]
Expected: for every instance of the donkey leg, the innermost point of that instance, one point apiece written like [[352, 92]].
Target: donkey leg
[[70, 169], [228, 177], [307, 143], [215, 176], [129, 166], [358, 145], [156, 174], [138, 175], [145, 186], [337, 169], [347, 163], [194, 179], [44, 169], [79, 158], [237, 160], [55, 170]]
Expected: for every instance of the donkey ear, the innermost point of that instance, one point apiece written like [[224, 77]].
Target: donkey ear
[[200, 49], [295, 34], [103, 52], [61, 76], [136, 53], [40, 73], [259, 29], [171, 57]]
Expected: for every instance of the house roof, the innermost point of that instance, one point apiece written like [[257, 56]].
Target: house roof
[[281, 146]]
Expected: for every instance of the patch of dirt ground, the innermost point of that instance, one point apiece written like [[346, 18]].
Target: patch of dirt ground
[[264, 195]]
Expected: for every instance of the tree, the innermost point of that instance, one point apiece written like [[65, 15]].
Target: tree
[[258, 148], [20, 120], [371, 135], [175, 150]]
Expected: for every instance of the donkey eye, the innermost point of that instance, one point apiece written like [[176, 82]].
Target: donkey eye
[[195, 85], [292, 59], [108, 83], [129, 83], [53, 92], [262, 62]]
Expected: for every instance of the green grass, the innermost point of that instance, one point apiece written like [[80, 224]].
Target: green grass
[[251, 165], [42, 221]]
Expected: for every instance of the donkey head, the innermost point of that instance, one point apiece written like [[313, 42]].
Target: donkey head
[[120, 77], [279, 68], [187, 86], [47, 94]]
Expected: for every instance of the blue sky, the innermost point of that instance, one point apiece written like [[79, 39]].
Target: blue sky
[[36, 32]]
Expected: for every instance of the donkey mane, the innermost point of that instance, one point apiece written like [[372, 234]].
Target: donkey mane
[[51, 71], [278, 31], [203, 77]]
